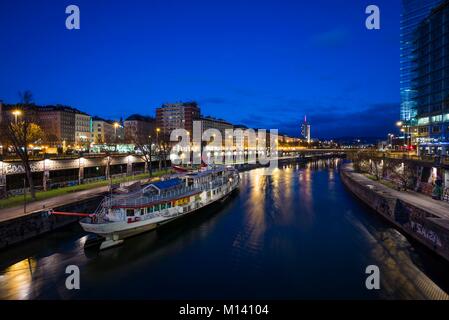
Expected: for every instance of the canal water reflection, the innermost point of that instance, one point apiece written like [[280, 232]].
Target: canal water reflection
[[296, 234]]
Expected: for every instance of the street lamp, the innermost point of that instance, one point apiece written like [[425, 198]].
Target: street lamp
[[16, 113], [116, 125], [157, 135], [401, 125], [157, 148]]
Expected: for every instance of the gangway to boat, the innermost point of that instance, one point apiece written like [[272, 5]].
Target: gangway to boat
[[76, 214]]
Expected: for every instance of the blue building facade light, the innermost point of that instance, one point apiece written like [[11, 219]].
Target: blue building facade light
[[431, 81], [413, 14]]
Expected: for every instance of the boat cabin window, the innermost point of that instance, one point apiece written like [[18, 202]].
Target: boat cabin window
[[129, 212]]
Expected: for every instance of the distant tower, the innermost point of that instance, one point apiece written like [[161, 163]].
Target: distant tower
[[305, 130]]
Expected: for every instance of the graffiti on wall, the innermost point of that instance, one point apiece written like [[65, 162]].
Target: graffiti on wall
[[426, 233]]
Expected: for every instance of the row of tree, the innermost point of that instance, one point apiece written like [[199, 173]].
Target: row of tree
[[19, 134], [406, 173], [150, 147]]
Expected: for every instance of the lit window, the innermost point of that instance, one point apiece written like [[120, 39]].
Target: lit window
[[437, 118], [423, 120]]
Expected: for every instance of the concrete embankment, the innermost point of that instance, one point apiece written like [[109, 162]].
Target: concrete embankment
[[422, 218], [28, 226]]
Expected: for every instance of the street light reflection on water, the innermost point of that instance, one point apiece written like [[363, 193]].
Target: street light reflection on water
[[295, 234], [17, 279]]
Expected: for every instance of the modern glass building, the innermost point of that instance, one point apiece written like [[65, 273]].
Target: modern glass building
[[413, 13], [430, 81]]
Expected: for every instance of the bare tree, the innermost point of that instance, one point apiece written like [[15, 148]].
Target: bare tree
[[26, 97], [20, 132], [360, 161], [376, 168], [164, 149], [145, 147], [51, 139], [405, 172]]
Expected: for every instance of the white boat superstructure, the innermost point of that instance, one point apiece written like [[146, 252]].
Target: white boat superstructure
[[123, 215]]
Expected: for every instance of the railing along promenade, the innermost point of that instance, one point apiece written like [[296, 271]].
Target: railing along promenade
[[434, 160]]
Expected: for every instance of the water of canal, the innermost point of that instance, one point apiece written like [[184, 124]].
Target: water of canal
[[298, 234]]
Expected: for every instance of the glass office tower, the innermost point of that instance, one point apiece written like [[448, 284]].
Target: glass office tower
[[413, 13], [431, 81]]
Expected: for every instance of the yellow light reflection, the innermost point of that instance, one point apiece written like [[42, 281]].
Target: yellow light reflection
[[15, 282]]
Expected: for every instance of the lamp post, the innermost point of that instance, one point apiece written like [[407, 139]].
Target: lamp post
[[24, 196], [157, 148], [116, 125], [46, 174], [16, 113], [401, 126]]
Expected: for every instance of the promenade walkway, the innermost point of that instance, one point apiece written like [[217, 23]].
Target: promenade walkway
[[437, 207], [18, 211]]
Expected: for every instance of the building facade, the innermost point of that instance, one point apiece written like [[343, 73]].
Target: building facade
[[103, 131], [58, 124], [217, 124], [139, 128], [83, 136], [173, 116], [413, 13], [431, 82]]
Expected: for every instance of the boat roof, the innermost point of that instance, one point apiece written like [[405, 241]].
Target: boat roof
[[167, 184], [203, 173]]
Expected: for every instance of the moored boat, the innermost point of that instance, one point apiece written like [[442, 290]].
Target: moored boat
[[124, 215]]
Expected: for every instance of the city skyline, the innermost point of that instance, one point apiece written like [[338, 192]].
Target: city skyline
[[265, 74]]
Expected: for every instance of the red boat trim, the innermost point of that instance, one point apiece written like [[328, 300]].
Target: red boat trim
[[60, 213]]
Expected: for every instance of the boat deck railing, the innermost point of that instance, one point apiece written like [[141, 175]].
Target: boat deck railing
[[142, 199], [101, 213]]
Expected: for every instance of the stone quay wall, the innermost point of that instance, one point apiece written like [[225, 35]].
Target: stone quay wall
[[31, 225], [425, 227]]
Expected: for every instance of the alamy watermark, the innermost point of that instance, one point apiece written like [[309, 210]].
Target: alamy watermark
[[73, 280], [73, 20], [372, 282], [372, 22], [227, 147]]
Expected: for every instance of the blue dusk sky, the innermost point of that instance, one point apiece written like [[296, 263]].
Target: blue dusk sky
[[260, 63]]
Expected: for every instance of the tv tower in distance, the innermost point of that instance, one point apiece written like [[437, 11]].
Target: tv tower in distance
[[305, 129]]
